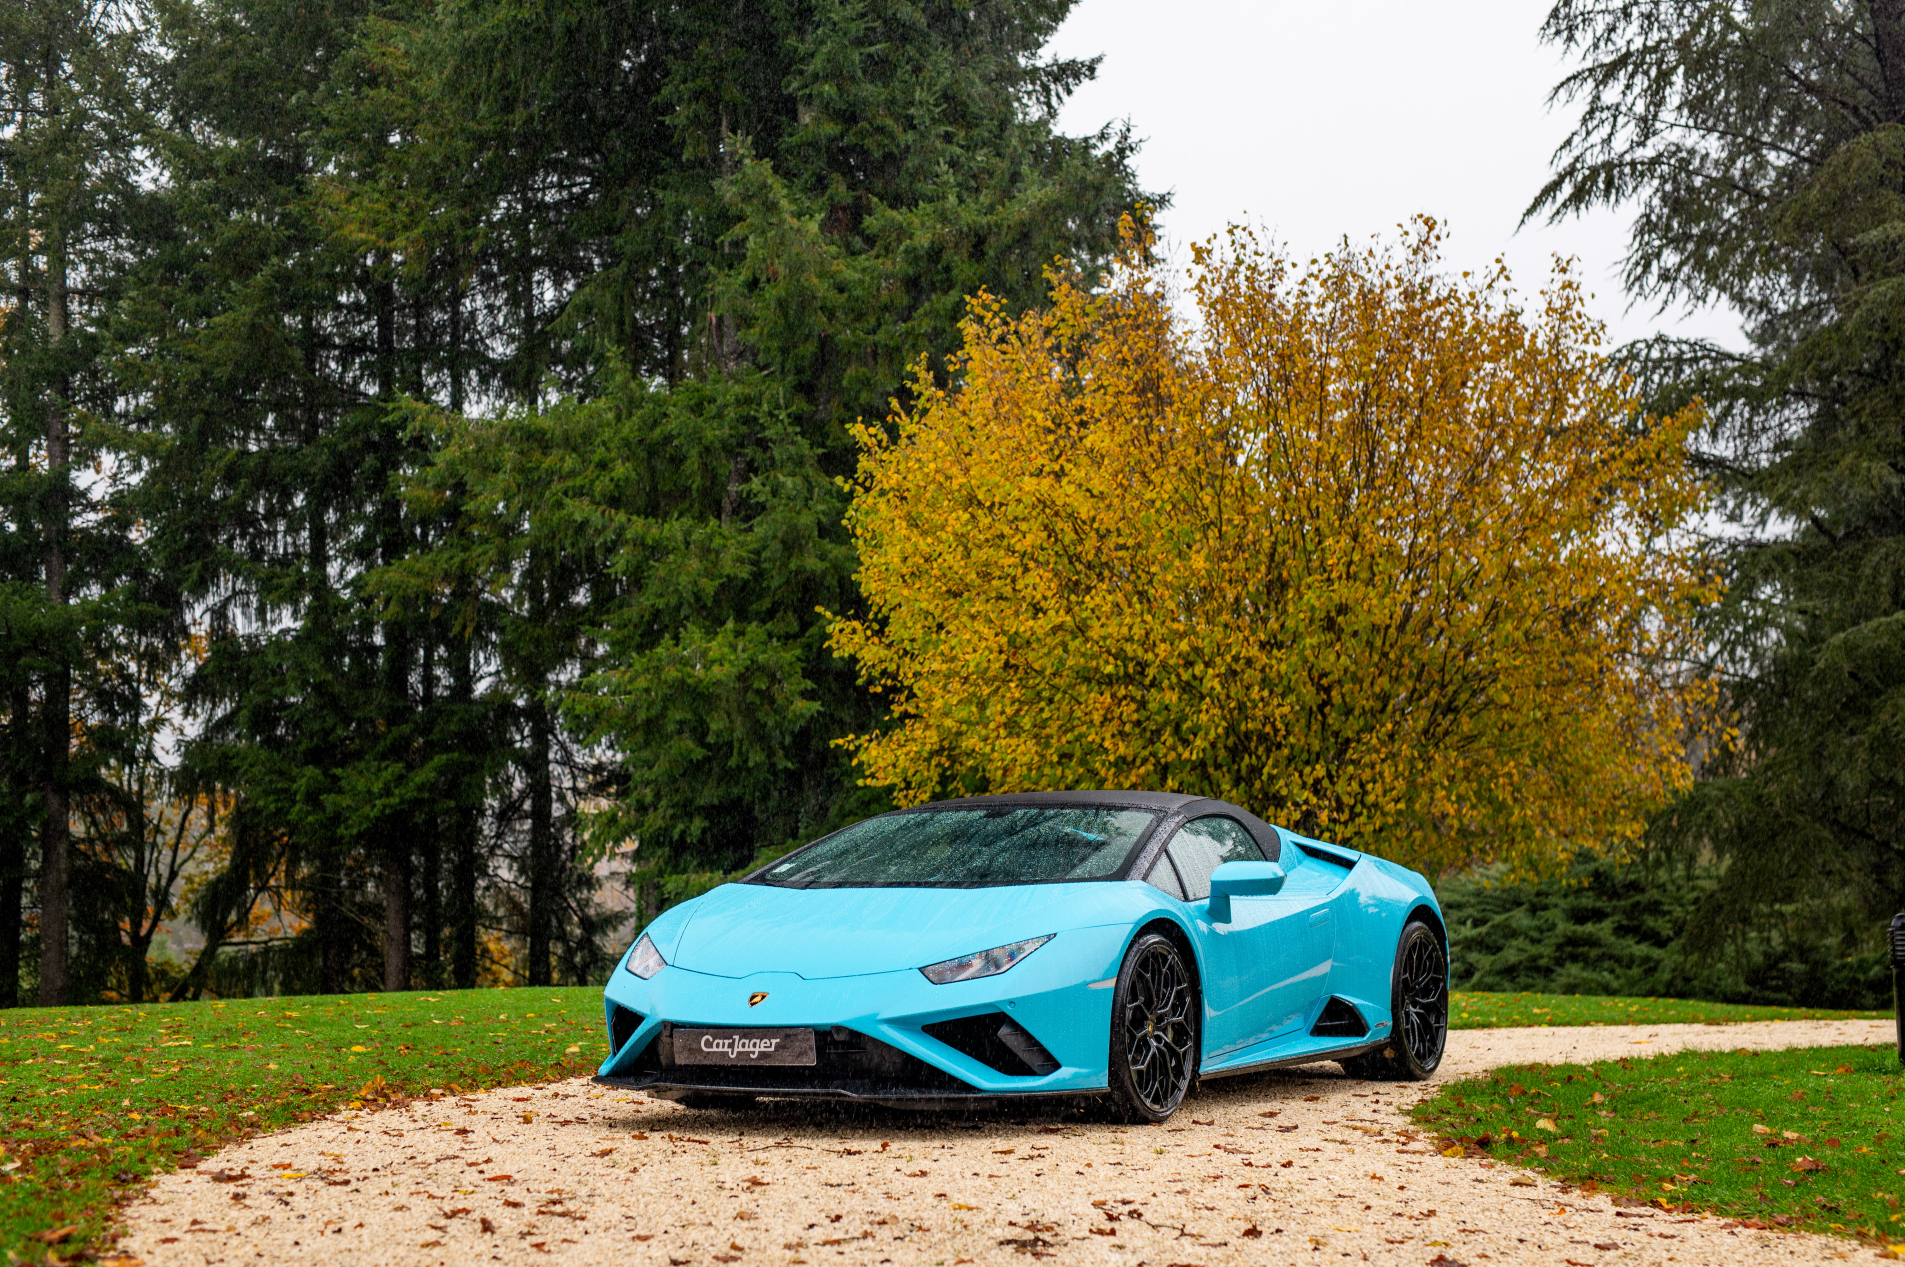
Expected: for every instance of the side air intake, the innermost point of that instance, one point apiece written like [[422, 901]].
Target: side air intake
[[996, 1041], [1339, 1019], [622, 1026]]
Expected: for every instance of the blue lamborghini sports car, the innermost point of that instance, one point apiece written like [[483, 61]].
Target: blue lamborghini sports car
[[1119, 944]]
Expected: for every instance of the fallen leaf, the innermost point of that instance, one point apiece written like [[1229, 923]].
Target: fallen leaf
[[497, 1178], [54, 1235], [487, 1225], [1807, 1163]]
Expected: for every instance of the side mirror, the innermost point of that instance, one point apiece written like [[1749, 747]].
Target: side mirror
[[1241, 879]]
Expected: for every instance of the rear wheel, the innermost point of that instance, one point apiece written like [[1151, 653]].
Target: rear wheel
[[1154, 1031], [1419, 1011]]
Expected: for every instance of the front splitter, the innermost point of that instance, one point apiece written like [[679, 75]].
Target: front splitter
[[887, 1097]]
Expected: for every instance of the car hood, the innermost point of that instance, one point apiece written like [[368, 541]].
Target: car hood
[[739, 929]]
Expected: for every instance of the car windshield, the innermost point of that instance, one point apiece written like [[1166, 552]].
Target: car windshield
[[967, 848]]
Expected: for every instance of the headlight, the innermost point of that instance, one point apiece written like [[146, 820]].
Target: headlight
[[645, 961], [987, 963]]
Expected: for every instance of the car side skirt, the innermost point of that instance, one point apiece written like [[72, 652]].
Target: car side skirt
[[1360, 1047]]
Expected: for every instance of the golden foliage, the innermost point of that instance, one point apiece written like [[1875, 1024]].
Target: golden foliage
[[1371, 551]]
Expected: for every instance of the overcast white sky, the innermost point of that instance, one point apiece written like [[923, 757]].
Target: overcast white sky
[[1318, 120]]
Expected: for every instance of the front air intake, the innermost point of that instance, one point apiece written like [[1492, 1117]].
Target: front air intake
[[996, 1041], [1339, 1019], [622, 1026]]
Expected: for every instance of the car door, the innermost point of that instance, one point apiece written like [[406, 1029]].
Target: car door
[[1238, 953], [1269, 962]]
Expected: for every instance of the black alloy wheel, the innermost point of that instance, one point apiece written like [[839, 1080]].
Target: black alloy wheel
[[1154, 1031], [1419, 1011]]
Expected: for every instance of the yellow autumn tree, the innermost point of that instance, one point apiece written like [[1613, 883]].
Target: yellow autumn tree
[[1373, 551]]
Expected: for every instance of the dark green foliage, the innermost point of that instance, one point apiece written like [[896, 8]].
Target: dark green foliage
[[88, 622], [464, 389], [1611, 928], [826, 185], [1764, 150]]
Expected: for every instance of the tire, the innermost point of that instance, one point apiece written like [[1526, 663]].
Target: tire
[[1155, 1035], [1419, 1008], [716, 1100]]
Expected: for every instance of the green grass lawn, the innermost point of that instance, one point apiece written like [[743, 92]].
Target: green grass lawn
[[1811, 1138], [1494, 1011], [98, 1098]]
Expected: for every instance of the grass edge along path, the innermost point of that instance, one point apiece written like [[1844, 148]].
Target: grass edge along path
[[1481, 1010], [1799, 1139], [98, 1099]]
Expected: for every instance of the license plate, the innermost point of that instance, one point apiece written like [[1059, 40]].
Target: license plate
[[744, 1046]]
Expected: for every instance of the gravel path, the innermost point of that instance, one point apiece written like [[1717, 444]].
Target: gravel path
[[1298, 1166]]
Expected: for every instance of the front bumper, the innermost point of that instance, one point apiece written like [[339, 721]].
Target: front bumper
[[1040, 1029]]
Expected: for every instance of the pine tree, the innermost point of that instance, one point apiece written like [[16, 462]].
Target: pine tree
[[78, 604], [1765, 149], [792, 207], [273, 342]]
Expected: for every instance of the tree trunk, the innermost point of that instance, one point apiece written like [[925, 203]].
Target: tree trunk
[[542, 877], [464, 838], [430, 842], [397, 915], [396, 827], [55, 840], [1888, 32], [13, 862], [138, 940]]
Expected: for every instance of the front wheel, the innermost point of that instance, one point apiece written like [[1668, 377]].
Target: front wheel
[[1154, 1031], [1419, 1011]]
